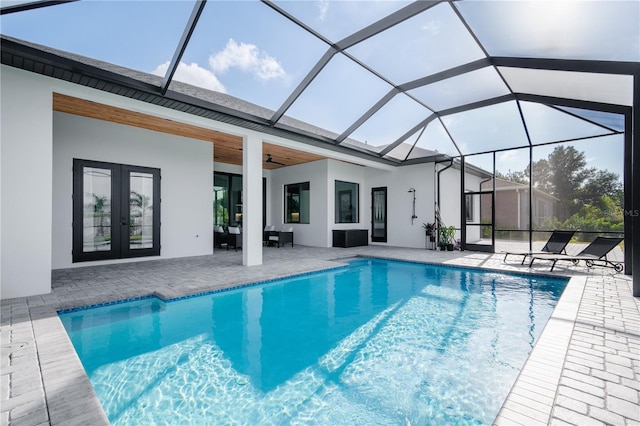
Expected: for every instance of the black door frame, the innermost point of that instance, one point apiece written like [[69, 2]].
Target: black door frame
[[120, 212], [382, 239], [490, 248]]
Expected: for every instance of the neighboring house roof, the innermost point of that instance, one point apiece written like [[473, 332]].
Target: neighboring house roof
[[506, 185]]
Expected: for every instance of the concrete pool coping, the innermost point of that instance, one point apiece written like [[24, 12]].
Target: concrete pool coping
[[43, 381]]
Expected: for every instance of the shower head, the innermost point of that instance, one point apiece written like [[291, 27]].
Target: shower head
[[411, 190]]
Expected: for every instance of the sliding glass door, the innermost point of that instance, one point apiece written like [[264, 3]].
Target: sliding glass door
[[116, 211]]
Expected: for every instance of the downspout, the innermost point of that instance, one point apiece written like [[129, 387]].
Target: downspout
[[493, 206], [436, 213]]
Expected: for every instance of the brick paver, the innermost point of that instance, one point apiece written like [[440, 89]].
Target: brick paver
[[584, 369]]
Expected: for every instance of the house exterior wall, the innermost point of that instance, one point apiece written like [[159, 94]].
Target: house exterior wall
[[451, 204], [313, 233], [506, 209], [186, 185], [25, 168], [346, 172], [400, 231]]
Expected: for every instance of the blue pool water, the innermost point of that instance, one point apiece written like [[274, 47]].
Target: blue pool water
[[376, 342]]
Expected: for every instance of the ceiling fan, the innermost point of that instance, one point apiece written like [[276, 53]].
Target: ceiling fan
[[270, 160]]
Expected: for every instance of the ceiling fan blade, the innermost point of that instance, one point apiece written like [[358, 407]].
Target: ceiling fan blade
[[270, 160]]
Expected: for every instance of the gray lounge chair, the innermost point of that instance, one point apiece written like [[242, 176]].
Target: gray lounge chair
[[556, 244], [595, 254]]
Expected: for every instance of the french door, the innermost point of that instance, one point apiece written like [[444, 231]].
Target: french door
[[116, 211], [379, 214]]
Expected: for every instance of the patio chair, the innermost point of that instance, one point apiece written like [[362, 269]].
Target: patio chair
[[556, 244], [269, 230], [234, 238], [593, 254], [282, 237], [220, 237]]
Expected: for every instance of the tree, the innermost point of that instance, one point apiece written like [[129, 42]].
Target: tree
[[98, 206], [515, 176], [141, 203], [602, 183], [589, 199], [562, 175]]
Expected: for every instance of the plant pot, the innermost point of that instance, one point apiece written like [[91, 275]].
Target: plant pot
[[449, 247]]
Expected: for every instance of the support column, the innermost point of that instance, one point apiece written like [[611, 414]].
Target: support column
[[26, 169], [635, 166], [252, 200]]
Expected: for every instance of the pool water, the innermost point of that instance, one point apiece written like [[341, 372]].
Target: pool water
[[375, 342]]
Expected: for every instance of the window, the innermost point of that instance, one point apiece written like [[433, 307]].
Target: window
[[116, 211], [227, 199], [468, 207], [543, 210], [346, 205], [296, 203]]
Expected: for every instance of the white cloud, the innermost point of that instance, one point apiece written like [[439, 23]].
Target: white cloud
[[432, 27], [247, 57], [323, 8], [506, 156], [193, 74]]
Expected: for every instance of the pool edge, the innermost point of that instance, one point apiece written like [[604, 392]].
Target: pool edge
[[532, 396]]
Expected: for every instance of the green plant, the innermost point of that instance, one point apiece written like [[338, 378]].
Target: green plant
[[429, 228], [447, 234]]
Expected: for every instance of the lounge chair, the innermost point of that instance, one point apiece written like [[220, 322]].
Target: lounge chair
[[282, 237], [269, 230], [556, 244], [234, 238], [220, 237], [593, 254]]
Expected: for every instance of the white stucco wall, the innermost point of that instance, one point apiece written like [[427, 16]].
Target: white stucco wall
[[186, 184], [400, 231], [315, 232], [346, 172], [450, 200], [26, 192]]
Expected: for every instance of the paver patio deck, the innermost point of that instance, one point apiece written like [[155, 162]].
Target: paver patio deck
[[584, 369]]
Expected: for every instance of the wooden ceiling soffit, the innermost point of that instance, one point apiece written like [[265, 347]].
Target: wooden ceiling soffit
[[227, 148]]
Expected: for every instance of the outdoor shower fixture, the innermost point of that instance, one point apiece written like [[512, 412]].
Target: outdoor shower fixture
[[413, 214]]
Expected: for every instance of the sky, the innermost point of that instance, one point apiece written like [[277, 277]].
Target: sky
[[245, 49]]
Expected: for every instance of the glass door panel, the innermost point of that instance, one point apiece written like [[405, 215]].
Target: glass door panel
[[96, 220], [140, 214], [379, 215], [140, 210], [221, 199]]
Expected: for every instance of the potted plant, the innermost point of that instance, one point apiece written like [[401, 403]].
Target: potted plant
[[429, 229], [430, 232], [447, 234]]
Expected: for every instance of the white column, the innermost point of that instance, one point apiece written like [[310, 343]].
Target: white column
[[252, 200], [26, 157]]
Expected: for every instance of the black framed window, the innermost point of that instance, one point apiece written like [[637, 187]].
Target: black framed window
[[297, 203], [116, 211], [346, 202], [228, 199]]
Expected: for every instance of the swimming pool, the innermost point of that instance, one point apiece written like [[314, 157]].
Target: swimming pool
[[377, 341]]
